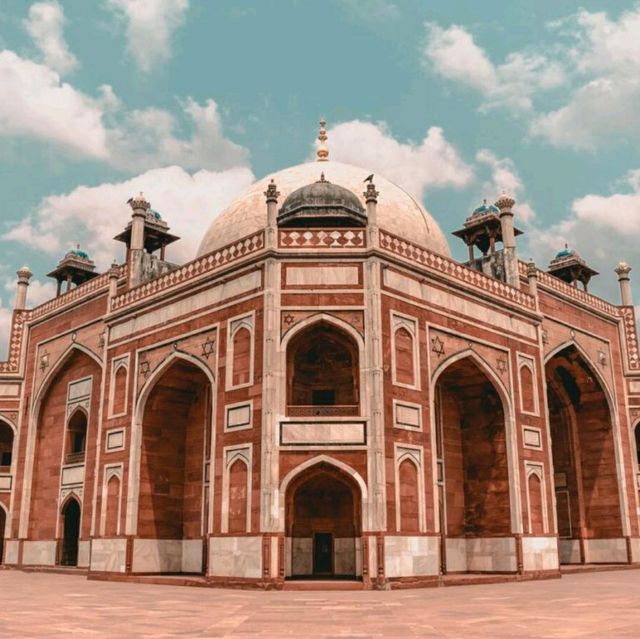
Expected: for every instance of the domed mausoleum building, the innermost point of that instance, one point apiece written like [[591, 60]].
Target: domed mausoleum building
[[322, 393]]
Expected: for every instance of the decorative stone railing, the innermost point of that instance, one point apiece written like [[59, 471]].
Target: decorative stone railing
[[625, 313], [454, 269], [205, 264], [322, 238], [630, 336], [12, 364], [549, 281], [74, 458], [97, 283], [323, 411]]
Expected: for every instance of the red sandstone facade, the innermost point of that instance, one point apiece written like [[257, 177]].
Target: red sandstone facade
[[320, 401]]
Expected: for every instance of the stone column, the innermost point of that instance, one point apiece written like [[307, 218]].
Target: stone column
[[272, 379], [532, 275], [371, 198], [376, 511], [24, 275], [623, 270], [140, 207], [113, 282], [505, 204], [271, 194]]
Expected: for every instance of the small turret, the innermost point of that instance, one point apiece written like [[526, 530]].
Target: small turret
[[24, 275], [568, 266], [484, 229], [75, 268]]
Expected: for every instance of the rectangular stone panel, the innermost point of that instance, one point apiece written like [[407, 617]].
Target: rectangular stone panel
[[72, 475], [39, 553], [108, 555], [407, 415], [540, 553], [235, 557], [324, 433], [239, 416], [5, 482], [408, 556], [80, 389], [9, 390], [157, 555], [115, 439], [322, 276], [634, 386], [532, 437]]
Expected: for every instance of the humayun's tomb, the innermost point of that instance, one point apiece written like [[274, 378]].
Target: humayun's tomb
[[322, 393]]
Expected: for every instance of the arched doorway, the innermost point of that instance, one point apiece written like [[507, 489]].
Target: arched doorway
[[176, 420], [6, 447], [3, 524], [323, 524], [473, 471], [76, 438], [70, 532], [323, 373], [583, 449]]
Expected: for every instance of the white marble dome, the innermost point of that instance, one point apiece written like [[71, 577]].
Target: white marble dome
[[398, 212]]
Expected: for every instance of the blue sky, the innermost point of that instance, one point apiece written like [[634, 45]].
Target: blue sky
[[189, 101]]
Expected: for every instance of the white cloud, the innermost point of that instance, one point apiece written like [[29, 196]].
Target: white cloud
[[44, 25], [434, 162], [619, 212], [37, 293], [604, 229], [34, 102], [505, 179], [146, 138], [454, 54], [603, 110], [187, 202], [150, 25], [605, 56]]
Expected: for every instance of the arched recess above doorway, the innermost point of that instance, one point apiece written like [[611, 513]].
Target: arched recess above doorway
[[477, 486], [585, 457], [323, 522]]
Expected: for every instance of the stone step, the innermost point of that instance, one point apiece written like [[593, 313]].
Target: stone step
[[323, 584]]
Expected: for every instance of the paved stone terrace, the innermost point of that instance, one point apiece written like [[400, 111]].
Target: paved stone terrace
[[603, 604]]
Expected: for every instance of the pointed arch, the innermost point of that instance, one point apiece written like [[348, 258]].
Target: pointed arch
[[3, 530], [34, 417], [486, 368], [133, 485], [592, 367], [408, 493], [609, 395], [71, 496], [318, 460], [513, 470], [305, 354], [7, 450], [52, 374]]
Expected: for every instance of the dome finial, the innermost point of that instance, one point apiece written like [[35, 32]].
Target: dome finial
[[323, 151]]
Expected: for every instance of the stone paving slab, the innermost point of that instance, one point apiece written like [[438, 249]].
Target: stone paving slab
[[594, 605]]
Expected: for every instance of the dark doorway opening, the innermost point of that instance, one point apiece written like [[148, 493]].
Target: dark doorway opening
[[323, 554], [71, 524], [2, 526]]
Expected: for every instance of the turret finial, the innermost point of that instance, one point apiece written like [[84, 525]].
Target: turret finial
[[323, 151]]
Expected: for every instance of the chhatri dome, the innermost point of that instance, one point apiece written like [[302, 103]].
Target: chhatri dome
[[398, 212]]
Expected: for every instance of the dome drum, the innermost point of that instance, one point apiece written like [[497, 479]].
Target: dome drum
[[322, 204]]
